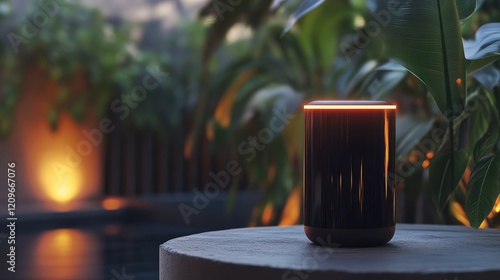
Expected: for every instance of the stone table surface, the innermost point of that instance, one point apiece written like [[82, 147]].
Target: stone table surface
[[284, 253]]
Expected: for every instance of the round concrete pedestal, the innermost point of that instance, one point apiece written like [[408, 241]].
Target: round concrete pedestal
[[285, 253]]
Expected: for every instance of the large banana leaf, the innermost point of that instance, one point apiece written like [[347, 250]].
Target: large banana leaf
[[425, 37]]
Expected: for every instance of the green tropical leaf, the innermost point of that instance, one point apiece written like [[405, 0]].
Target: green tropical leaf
[[294, 53], [480, 117], [485, 49], [468, 7], [483, 189], [352, 75], [392, 65], [425, 37], [268, 101], [304, 8], [475, 65], [246, 93], [226, 15], [486, 145], [445, 176], [322, 49]]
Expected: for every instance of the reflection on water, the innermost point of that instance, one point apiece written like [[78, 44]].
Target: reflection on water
[[91, 250], [66, 254]]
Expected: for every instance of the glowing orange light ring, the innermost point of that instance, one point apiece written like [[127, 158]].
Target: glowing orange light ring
[[350, 107]]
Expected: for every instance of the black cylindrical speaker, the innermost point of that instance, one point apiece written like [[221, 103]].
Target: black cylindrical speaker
[[349, 167]]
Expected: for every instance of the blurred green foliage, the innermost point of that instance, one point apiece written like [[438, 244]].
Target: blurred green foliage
[[68, 42], [72, 43], [329, 53]]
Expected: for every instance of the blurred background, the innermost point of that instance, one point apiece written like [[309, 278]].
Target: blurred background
[[135, 121]]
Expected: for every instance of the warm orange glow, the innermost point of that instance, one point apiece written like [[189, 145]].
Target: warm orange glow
[[361, 187], [255, 215], [459, 81], [458, 212], [414, 157], [61, 182], [209, 131], [268, 214], [63, 189], [111, 204], [496, 209], [463, 187], [291, 212], [350, 107], [426, 163], [188, 146], [66, 253], [225, 107], [54, 173], [466, 176], [430, 155], [386, 157], [484, 224]]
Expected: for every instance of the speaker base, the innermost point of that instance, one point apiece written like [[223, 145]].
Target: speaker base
[[350, 237]]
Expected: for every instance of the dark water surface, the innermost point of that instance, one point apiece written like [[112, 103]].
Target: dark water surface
[[114, 251]]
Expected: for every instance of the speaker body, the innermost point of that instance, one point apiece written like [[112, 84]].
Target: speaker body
[[349, 167]]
